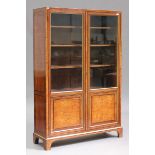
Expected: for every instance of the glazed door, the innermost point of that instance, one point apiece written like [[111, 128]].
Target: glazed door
[[66, 70], [103, 69]]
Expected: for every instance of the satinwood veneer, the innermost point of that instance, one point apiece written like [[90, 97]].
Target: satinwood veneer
[[77, 73]]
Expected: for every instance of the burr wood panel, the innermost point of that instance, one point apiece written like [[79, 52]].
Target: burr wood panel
[[67, 112], [103, 108]]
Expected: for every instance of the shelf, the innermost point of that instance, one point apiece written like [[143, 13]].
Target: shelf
[[109, 74], [92, 88], [101, 45], [101, 65], [79, 66], [71, 45], [65, 67], [79, 27], [102, 27], [79, 89], [67, 27]]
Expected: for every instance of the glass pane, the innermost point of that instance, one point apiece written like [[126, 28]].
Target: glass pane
[[102, 77], [66, 79], [103, 51], [69, 36], [66, 56], [103, 30], [103, 55], [66, 52], [58, 19]]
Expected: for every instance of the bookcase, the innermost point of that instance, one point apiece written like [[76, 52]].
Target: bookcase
[[77, 73]]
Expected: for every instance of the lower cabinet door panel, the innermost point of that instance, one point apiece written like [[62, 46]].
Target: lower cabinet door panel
[[102, 108], [67, 113]]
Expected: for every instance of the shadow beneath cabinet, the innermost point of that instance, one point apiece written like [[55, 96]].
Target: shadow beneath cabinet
[[82, 139], [57, 143]]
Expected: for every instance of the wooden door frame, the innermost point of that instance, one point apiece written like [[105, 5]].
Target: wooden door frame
[[89, 92], [51, 131]]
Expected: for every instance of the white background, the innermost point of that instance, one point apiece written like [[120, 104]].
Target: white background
[[13, 78], [97, 143]]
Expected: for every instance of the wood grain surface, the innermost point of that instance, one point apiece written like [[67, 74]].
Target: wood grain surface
[[67, 112], [103, 108], [72, 113]]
